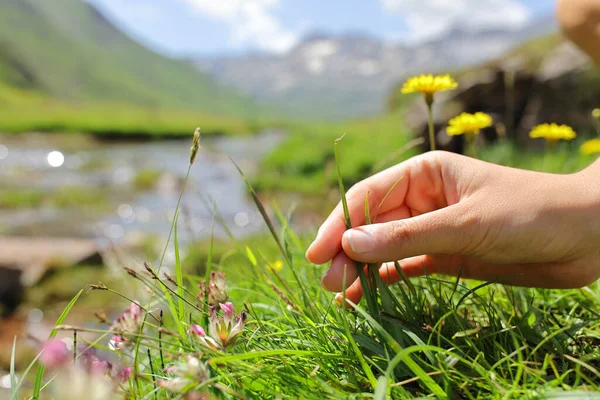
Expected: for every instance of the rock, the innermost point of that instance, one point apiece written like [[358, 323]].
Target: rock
[[519, 93], [11, 290], [562, 61], [24, 261]]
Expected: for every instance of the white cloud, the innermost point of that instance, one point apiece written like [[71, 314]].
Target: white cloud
[[250, 21], [429, 18]]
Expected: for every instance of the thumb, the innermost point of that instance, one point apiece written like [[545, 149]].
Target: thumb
[[444, 231]]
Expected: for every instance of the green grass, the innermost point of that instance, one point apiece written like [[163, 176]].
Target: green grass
[[69, 69], [68, 50], [115, 120], [67, 196], [448, 338], [435, 336], [566, 158], [146, 179], [304, 163]]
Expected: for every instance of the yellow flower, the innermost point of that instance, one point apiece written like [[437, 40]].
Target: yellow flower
[[596, 113], [277, 265], [553, 132], [429, 84], [591, 146], [469, 124]]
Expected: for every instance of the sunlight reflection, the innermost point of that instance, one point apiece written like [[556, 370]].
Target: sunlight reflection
[[55, 159]]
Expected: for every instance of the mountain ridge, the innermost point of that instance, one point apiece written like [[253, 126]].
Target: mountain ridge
[[339, 76], [69, 51]]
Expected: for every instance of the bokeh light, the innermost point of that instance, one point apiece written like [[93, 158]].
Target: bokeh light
[[241, 219], [5, 382], [35, 316], [55, 159]]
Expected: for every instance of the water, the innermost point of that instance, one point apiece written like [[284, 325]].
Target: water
[[51, 163]]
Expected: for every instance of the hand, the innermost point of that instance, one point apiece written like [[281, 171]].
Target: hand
[[451, 213]]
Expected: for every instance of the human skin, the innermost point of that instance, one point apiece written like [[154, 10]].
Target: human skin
[[451, 214], [580, 21]]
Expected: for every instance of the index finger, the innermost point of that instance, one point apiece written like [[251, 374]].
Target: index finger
[[392, 182]]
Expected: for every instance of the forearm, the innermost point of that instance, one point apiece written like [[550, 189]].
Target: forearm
[[580, 21]]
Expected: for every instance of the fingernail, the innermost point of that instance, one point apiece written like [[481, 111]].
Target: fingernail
[[360, 241]]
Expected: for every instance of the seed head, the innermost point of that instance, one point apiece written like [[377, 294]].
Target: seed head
[[195, 145]]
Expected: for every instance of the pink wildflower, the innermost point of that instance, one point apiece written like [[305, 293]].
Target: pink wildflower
[[217, 289], [129, 323], [223, 332], [124, 374], [55, 354], [197, 330]]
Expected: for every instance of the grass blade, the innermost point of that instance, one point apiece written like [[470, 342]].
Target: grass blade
[[385, 197], [368, 294], [263, 211], [25, 373], [353, 345], [341, 183], [404, 356], [13, 375], [179, 277], [37, 385], [382, 390]]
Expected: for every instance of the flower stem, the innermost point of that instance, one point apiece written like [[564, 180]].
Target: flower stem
[[551, 146], [471, 139], [429, 101]]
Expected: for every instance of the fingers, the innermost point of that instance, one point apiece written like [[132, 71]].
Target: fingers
[[444, 231], [333, 280], [328, 241], [412, 267]]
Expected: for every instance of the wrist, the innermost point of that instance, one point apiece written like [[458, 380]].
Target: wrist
[[588, 182], [584, 190]]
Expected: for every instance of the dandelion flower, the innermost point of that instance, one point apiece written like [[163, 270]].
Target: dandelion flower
[[591, 147], [553, 132], [429, 84], [469, 124]]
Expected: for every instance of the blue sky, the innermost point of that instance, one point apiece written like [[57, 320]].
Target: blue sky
[[188, 27]]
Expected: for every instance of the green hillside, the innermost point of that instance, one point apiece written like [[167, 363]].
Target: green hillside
[[67, 51]]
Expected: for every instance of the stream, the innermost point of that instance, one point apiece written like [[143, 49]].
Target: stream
[[49, 163]]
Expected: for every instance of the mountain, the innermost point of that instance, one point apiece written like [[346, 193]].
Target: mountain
[[67, 50], [349, 75]]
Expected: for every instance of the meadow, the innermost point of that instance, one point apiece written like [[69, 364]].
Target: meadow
[[254, 323], [116, 121]]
